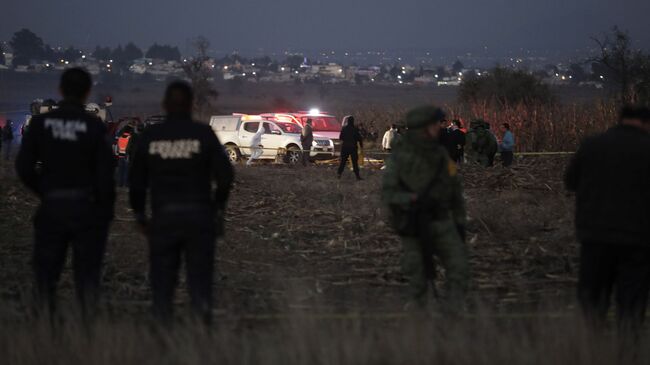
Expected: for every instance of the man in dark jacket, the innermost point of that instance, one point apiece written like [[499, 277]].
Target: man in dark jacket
[[7, 139], [350, 139], [306, 140], [610, 175], [75, 184], [178, 161]]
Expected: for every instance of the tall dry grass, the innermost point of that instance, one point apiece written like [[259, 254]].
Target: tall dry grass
[[537, 128], [305, 339]]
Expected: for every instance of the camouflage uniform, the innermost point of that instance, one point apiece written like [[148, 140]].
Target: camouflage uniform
[[415, 162], [480, 145]]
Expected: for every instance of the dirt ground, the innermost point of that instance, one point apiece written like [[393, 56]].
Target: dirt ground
[[298, 238]]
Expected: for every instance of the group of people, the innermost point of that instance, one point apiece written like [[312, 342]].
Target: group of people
[[66, 160], [610, 175], [479, 142]]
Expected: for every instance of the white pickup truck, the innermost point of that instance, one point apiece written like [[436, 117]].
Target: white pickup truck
[[280, 139]]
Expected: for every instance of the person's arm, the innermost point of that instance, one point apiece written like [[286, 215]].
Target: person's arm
[[384, 141], [139, 179], [222, 171], [28, 157], [104, 174]]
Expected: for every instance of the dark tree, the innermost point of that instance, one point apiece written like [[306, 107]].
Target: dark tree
[[199, 71], [294, 61], [27, 47], [627, 68], [163, 52], [502, 87], [457, 67], [131, 52], [102, 53]]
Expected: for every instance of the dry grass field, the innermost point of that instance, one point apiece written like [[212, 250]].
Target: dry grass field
[[309, 273]]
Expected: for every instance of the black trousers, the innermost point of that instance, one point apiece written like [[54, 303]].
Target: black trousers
[[604, 266], [191, 236], [346, 153], [306, 149], [59, 224], [506, 158]]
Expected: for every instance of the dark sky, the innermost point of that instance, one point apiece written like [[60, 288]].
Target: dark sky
[[337, 24]]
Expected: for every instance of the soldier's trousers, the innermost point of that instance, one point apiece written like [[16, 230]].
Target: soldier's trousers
[[190, 235], [60, 223], [349, 153], [604, 266], [443, 241]]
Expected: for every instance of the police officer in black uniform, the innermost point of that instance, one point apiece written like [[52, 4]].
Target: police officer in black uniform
[[66, 159], [178, 161]]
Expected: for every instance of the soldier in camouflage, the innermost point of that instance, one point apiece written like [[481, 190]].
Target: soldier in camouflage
[[480, 145], [424, 195]]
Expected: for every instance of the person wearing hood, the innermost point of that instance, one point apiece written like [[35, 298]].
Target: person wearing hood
[[422, 191], [350, 139], [256, 145]]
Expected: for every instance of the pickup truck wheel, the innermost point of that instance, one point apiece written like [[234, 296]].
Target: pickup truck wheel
[[294, 156], [233, 154]]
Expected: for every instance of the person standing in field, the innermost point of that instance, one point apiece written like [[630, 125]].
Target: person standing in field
[[306, 140], [178, 161], [256, 145], [66, 160], [507, 145], [458, 137], [480, 144], [423, 193], [122, 157], [610, 175], [351, 139], [7, 139], [389, 138]]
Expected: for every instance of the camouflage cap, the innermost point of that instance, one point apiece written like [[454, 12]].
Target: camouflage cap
[[423, 116]]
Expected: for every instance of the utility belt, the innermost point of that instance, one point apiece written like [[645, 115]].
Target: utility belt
[[183, 208]]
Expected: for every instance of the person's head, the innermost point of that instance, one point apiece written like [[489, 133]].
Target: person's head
[[457, 123], [309, 121], [350, 121], [75, 85], [393, 126], [179, 98], [427, 119], [505, 127], [636, 116]]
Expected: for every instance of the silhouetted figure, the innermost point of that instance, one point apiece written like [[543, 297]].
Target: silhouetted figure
[[178, 161], [75, 184], [350, 140], [306, 140], [507, 145], [610, 174], [7, 139]]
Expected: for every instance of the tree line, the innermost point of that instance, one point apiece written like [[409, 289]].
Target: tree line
[[28, 47]]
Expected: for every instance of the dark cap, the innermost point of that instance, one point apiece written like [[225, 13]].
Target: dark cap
[[424, 116]]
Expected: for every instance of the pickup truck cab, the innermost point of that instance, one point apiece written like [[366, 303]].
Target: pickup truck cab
[[280, 139]]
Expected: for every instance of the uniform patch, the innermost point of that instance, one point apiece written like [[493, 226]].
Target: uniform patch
[[178, 149], [65, 130], [452, 168]]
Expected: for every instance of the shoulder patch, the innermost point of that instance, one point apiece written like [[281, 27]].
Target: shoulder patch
[[175, 149]]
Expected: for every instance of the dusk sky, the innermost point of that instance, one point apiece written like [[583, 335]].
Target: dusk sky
[[335, 24]]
